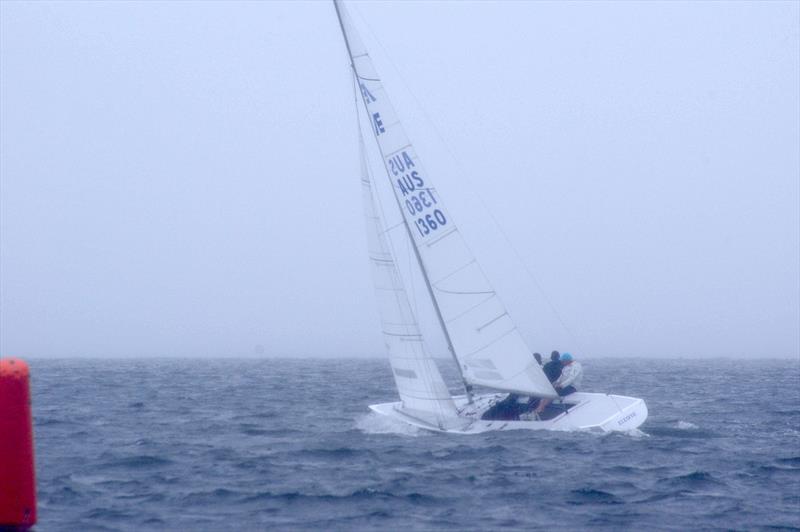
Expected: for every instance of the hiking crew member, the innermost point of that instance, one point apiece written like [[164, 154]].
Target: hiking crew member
[[567, 382], [553, 368], [571, 375]]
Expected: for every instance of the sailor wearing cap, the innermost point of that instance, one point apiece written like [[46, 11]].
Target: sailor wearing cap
[[571, 375], [567, 382]]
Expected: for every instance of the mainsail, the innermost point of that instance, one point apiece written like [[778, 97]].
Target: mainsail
[[485, 341]]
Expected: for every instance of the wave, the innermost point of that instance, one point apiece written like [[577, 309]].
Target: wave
[[338, 453], [621, 468], [48, 421], [251, 429], [64, 495], [592, 496], [137, 462], [465, 452], [636, 434], [361, 494], [110, 514], [210, 497], [680, 429], [695, 479]]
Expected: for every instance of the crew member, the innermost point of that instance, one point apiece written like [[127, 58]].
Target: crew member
[[571, 375], [567, 382], [553, 368]]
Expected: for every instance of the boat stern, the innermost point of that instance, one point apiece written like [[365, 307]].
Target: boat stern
[[632, 413]]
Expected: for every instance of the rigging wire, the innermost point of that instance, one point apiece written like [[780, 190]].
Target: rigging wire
[[471, 187]]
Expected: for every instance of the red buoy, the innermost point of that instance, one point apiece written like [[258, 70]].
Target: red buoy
[[17, 480]]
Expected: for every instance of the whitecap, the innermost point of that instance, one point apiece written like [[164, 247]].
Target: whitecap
[[636, 434], [686, 425]]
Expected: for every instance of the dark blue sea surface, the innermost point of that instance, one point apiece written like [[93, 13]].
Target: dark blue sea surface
[[290, 445]]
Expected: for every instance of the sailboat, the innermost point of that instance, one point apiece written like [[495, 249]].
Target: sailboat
[[485, 343]]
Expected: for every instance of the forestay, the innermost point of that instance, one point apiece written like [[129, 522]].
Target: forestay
[[419, 383], [486, 342]]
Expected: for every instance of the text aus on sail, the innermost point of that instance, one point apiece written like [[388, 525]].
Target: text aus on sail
[[418, 199]]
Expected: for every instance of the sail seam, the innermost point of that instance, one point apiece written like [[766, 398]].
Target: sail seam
[[470, 309], [492, 343], [440, 237], [479, 329], [452, 273], [403, 335], [460, 293], [392, 228], [395, 152]]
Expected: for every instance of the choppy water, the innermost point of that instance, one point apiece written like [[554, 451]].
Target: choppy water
[[288, 444]]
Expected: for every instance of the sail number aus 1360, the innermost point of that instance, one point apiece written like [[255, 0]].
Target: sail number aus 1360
[[420, 201], [431, 222]]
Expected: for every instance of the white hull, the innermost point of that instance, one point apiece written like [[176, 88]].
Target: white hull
[[588, 411]]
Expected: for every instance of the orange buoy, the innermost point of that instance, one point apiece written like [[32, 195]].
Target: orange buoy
[[17, 478]]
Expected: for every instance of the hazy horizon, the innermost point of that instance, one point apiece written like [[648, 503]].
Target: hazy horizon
[[382, 356], [180, 180]]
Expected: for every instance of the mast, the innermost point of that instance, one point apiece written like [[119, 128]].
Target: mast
[[467, 386]]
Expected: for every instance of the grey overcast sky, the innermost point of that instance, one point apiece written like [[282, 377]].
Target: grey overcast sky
[[181, 178]]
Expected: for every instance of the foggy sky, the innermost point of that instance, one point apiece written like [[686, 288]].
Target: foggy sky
[[181, 179]]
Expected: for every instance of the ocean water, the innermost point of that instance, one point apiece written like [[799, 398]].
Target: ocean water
[[284, 444]]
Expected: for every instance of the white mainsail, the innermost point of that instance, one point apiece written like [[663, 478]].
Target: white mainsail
[[487, 344], [422, 390]]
